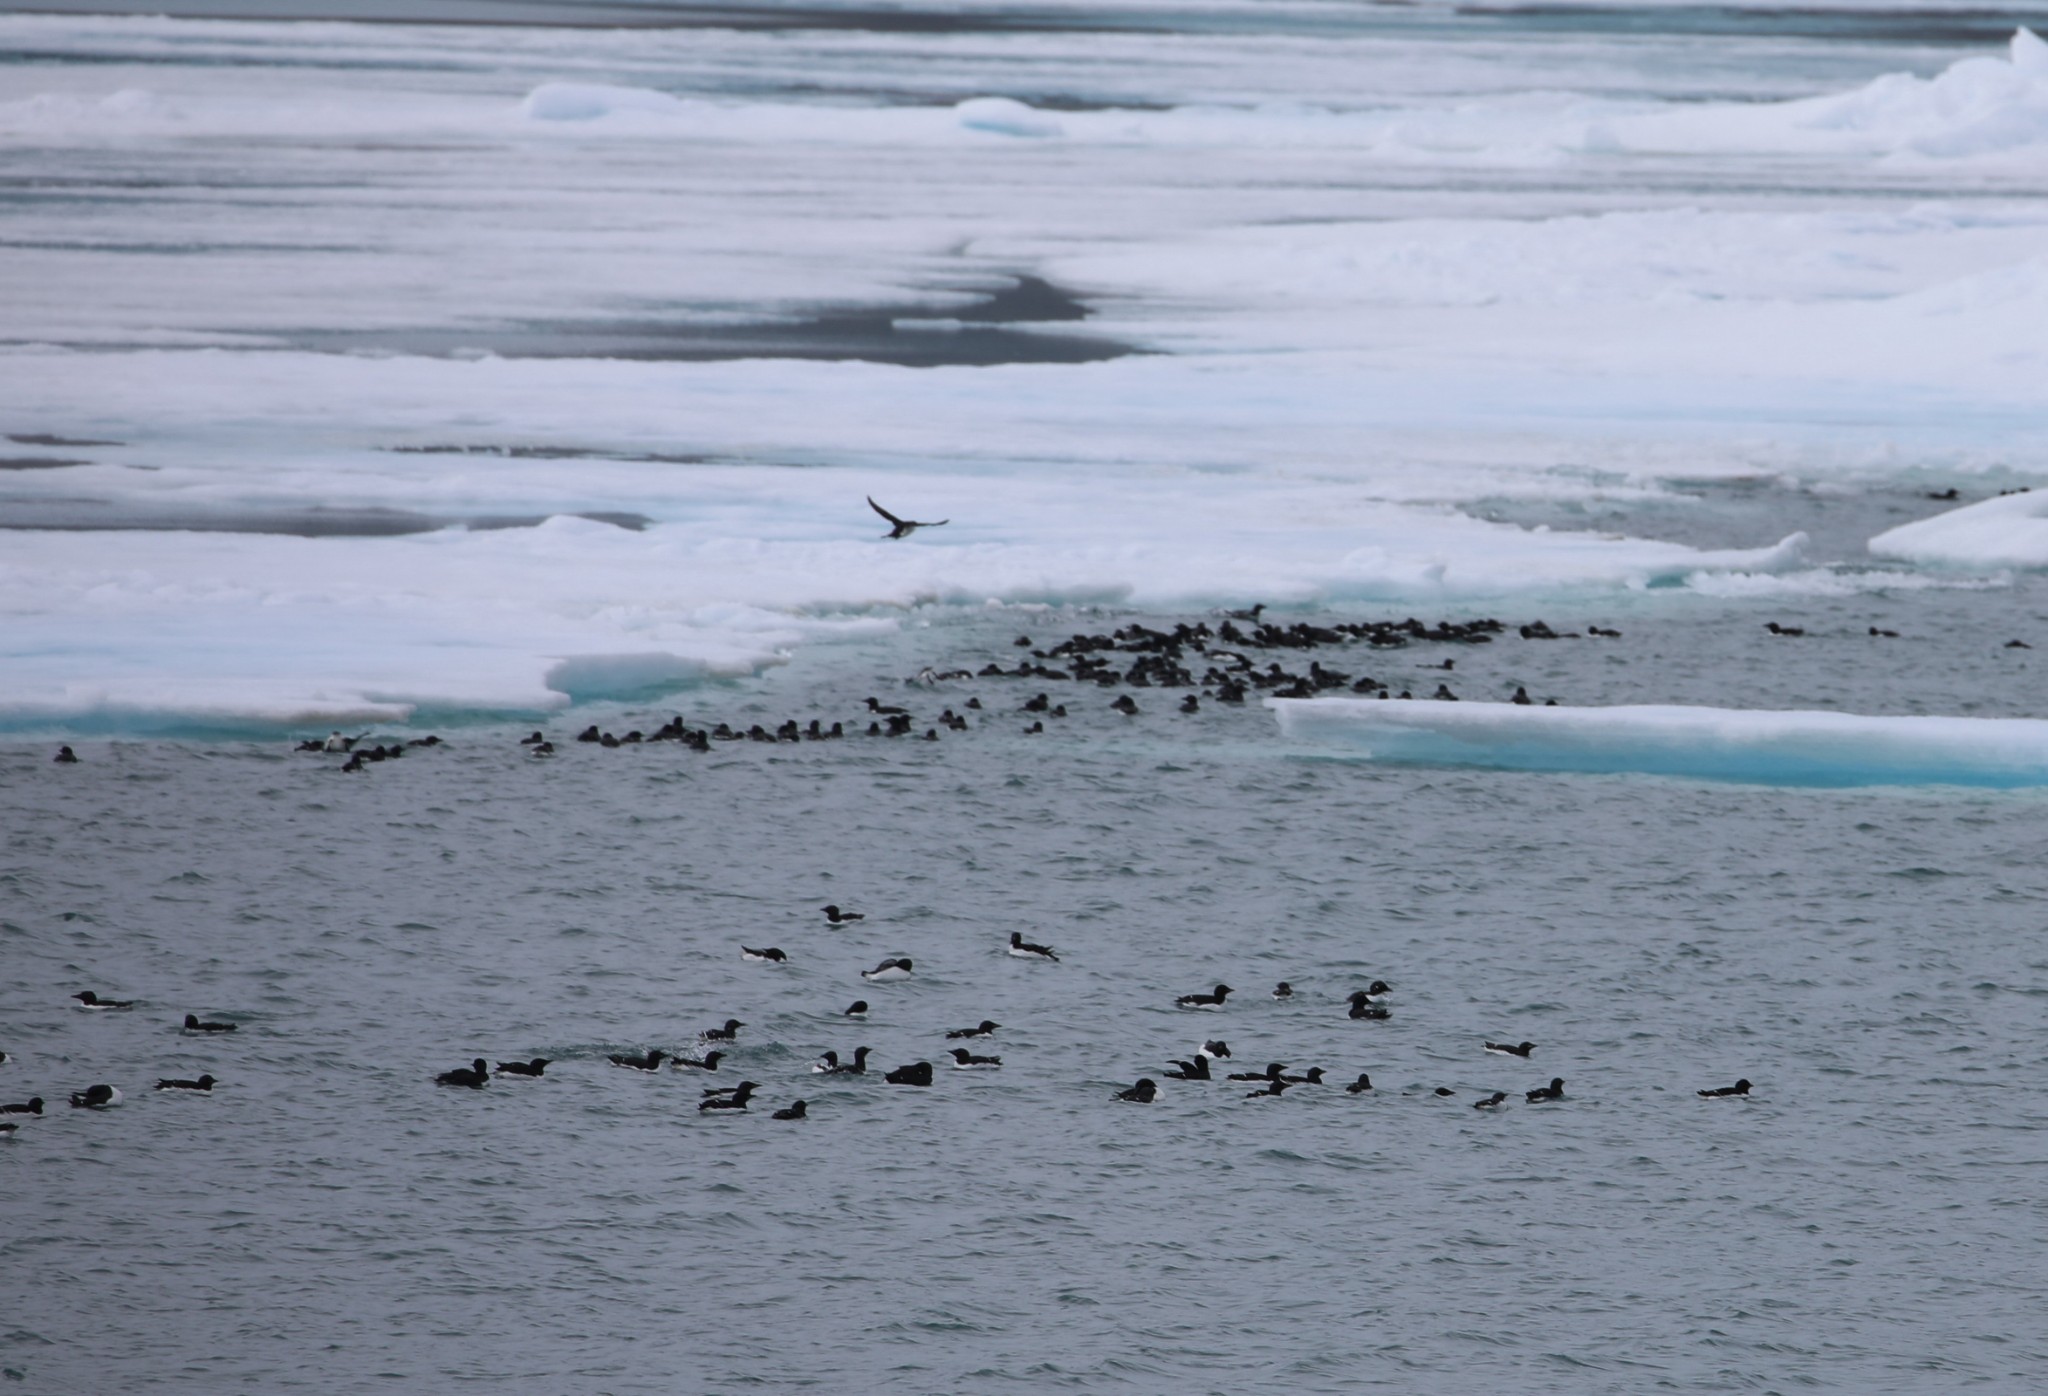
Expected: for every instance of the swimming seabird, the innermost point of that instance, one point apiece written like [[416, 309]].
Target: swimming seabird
[[651, 1062], [194, 1024], [1283, 990], [1553, 1091], [915, 1074], [1511, 1049], [708, 1062], [981, 1029], [473, 1076], [1312, 1077], [793, 1111], [1025, 950], [736, 1101], [96, 1097], [839, 918], [728, 1033], [769, 956], [1273, 1090], [1214, 1048], [1362, 1006], [1271, 1073], [532, 1068], [33, 1106], [1209, 1001], [1739, 1088], [65, 756], [903, 528], [1196, 1068], [1361, 1085], [1142, 1093], [964, 1060], [857, 1009], [204, 1083], [89, 999], [834, 1067], [887, 971], [1491, 1102]]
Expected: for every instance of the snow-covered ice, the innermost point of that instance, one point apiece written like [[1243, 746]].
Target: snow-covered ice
[[1773, 748]]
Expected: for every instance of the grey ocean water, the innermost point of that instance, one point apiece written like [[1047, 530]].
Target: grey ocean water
[[329, 1220]]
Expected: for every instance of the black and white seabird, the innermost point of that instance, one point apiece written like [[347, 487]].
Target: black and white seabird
[[1553, 1091], [473, 1076], [65, 756], [1719, 1092], [903, 528], [1361, 1085], [770, 956], [741, 1094], [1283, 990], [793, 1111], [1271, 1073], [708, 1062], [834, 1067], [982, 1029], [204, 1083], [193, 1023], [1312, 1077], [857, 1009], [1363, 1007], [964, 1060], [1273, 1090], [836, 917], [887, 971], [89, 999], [32, 1106], [1511, 1049], [96, 1098], [1215, 1048], [1195, 1068], [1142, 1093], [8, 1129], [728, 1033], [915, 1074], [1208, 1001], [651, 1062], [1492, 1102], [532, 1068], [1025, 950]]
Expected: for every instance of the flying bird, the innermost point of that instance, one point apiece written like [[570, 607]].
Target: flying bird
[[903, 528]]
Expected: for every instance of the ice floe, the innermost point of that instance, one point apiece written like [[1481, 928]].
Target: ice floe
[[2008, 531], [1772, 748]]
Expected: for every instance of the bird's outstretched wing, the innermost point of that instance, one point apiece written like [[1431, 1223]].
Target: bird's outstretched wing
[[884, 512]]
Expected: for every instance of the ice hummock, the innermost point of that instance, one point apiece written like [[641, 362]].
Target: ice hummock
[[2009, 531], [1732, 744]]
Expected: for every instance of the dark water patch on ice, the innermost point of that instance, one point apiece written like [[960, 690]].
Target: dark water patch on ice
[[909, 335], [554, 453], [318, 521], [38, 463], [43, 438], [1989, 25]]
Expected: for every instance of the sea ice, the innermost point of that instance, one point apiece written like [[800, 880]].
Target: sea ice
[[1770, 748]]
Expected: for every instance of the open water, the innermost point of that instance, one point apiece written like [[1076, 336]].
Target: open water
[[330, 1220], [274, 289]]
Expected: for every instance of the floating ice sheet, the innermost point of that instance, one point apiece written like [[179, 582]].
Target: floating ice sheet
[[2009, 531], [1767, 748]]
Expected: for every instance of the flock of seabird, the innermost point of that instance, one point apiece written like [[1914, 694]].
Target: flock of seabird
[[101, 1095], [717, 1044]]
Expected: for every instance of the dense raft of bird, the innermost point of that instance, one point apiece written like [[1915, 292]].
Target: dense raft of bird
[[1239, 655], [718, 1054]]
